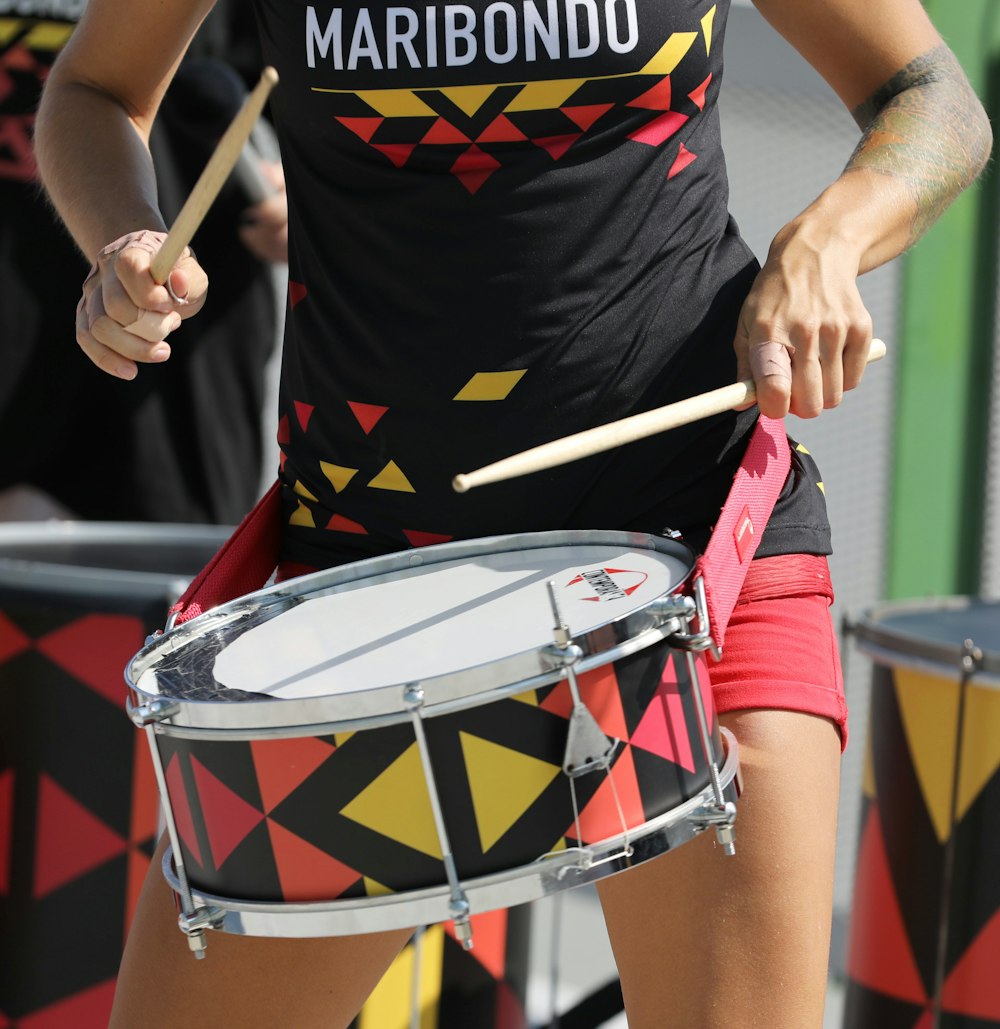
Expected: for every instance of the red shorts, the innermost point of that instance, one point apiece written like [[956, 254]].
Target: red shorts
[[780, 648]]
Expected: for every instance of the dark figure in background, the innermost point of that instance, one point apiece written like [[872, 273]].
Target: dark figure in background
[[186, 444]]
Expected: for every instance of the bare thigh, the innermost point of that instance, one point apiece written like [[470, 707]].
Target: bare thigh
[[243, 981], [704, 940]]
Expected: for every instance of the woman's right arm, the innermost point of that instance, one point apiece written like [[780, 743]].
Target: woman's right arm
[[91, 144]]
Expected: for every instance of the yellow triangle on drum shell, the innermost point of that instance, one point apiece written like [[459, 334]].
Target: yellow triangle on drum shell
[[397, 805], [504, 783], [928, 706], [980, 745]]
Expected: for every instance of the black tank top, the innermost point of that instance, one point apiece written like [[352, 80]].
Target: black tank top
[[508, 222]]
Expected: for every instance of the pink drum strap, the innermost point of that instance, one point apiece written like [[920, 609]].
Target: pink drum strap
[[756, 486], [243, 564]]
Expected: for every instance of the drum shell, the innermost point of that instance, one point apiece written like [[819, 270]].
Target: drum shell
[[316, 818], [925, 933], [78, 803]]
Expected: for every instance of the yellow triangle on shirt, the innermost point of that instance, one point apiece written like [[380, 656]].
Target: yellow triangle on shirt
[[928, 706], [490, 385], [504, 783], [302, 516], [338, 475], [392, 478], [398, 805], [821, 487], [801, 449], [545, 95], [669, 55], [469, 98], [396, 103], [47, 36], [303, 492], [706, 28]]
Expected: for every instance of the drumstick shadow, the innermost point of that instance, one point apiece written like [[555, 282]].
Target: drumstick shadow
[[407, 631]]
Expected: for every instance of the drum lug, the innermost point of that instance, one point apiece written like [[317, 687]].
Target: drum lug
[[156, 710], [723, 818], [701, 640], [194, 924], [672, 606]]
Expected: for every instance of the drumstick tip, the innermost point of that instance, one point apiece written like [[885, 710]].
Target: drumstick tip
[[270, 75], [460, 484]]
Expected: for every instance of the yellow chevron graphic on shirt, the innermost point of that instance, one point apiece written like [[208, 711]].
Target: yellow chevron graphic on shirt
[[302, 516], [398, 805], [303, 492], [393, 479], [544, 95], [490, 385], [338, 475], [706, 28], [504, 783]]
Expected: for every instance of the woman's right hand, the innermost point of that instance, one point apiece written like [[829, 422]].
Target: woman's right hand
[[124, 317]]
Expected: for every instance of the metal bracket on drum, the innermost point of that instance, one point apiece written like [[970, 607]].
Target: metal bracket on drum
[[159, 709], [194, 924], [723, 814], [458, 908]]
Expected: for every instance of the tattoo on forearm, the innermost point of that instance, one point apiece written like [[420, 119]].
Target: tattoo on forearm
[[926, 127]]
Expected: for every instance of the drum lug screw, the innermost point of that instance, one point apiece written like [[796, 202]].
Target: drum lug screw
[[193, 926], [156, 710], [722, 817]]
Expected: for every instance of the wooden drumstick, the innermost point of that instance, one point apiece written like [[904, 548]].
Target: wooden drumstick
[[213, 177], [626, 430]]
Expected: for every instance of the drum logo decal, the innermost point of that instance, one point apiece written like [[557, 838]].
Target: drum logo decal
[[606, 586]]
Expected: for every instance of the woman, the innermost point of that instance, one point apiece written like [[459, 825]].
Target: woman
[[507, 223]]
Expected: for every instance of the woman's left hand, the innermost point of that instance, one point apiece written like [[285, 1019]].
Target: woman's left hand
[[804, 332]]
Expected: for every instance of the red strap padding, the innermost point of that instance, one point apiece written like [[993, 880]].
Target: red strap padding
[[243, 564], [756, 486]]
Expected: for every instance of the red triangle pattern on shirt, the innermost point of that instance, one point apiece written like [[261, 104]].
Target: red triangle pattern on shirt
[[655, 99], [585, 116], [398, 153], [12, 640], [283, 436], [89, 1007], [364, 128], [557, 145], [283, 765], [681, 161], [474, 167], [501, 130], [879, 955], [341, 524], [367, 415], [304, 412], [69, 840], [659, 130], [697, 96], [444, 132], [229, 819], [296, 293], [95, 650], [425, 539]]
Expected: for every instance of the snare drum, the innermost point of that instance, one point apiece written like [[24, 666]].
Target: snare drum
[[417, 737]]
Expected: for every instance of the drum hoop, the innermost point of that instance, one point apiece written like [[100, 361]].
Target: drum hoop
[[514, 673], [892, 646], [548, 875]]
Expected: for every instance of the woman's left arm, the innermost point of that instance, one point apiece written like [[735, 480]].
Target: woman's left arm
[[925, 138]]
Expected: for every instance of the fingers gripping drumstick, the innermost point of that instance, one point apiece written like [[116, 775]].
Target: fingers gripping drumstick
[[212, 179], [627, 430]]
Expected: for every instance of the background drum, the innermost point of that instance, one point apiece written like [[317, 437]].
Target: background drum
[[78, 802], [924, 945]]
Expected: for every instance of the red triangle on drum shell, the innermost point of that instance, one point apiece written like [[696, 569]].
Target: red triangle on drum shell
[[284, 765], [663, 730], [229, 819], [306, 872]]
